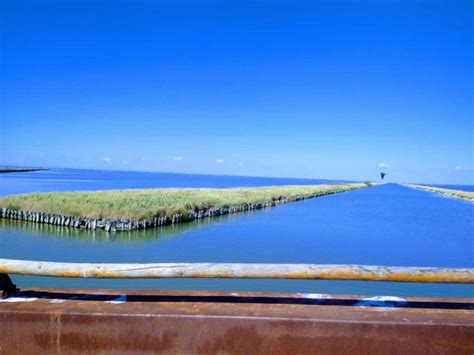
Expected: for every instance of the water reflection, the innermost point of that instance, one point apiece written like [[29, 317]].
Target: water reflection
[[100, 236]]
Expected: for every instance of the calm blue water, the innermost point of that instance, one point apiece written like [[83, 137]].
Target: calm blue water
[[388, 224]]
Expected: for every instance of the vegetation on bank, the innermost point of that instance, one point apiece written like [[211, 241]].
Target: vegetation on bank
[[465, 195], [18, 170], [151, 203]]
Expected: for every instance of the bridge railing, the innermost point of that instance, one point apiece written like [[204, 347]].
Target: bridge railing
[[239, 270]]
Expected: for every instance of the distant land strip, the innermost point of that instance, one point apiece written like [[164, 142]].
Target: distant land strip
[[18, 170], [125, 210], [464, 195]]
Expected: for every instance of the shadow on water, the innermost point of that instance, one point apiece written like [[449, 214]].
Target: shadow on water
[[302, 299]]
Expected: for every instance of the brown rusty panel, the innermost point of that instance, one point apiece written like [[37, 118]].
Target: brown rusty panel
[[48, 325]]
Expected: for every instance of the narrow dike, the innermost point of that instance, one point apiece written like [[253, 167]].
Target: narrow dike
[[457, 194], [121, 224]]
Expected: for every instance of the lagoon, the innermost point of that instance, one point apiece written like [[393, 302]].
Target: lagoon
[[385, 225]]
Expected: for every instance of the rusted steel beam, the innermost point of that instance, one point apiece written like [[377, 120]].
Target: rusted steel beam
[[66, 321], [242, 271]]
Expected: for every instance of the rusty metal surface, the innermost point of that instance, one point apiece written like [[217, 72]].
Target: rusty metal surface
[[239, 270], [81, 321]]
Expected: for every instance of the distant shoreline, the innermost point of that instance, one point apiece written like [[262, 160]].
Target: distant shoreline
[[19, 170], [459, 194], [122, 210]]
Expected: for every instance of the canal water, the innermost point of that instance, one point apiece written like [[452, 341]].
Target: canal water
[[385, 225]]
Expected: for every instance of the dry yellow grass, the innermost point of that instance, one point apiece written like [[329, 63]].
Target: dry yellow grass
[[150, 203], [465, 195]]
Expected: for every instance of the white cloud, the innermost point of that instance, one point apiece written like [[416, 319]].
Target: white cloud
[[177, 158], [219, 161], [107, 159], [124, 162], [240, 164], [463, 168], [384, 165]]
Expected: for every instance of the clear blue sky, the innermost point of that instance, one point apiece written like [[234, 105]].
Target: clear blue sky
[[321, 89]]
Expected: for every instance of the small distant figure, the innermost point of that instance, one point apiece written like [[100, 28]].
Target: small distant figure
[[382, 175]]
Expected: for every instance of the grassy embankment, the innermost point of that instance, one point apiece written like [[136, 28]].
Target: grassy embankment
[[465, 195], [153, 203], [18, 170]]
